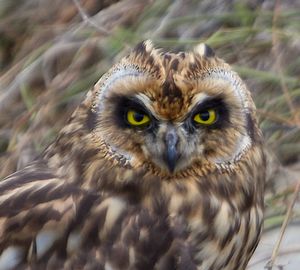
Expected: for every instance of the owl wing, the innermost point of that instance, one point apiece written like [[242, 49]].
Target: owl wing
[[36, 208], [48, 223]]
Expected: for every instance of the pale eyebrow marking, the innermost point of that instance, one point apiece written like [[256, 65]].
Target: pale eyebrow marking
[[143, 98], [146, 101], [199, 98], [237, 85], [116, 75]]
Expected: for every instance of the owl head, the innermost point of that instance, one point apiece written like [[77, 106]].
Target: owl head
[[172, 112]]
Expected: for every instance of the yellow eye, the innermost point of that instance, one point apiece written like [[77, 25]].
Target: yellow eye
[[135, 118], [207, 117]]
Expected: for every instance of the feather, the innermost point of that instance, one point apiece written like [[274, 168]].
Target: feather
[[103, 195]]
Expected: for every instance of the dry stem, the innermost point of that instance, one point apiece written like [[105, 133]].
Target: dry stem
[[288, 215]]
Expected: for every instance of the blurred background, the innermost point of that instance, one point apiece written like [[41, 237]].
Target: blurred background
[[52, 52]]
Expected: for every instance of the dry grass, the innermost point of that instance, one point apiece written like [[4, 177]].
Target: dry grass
[[52, 52]]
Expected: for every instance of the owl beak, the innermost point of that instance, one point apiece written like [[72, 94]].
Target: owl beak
[[171, 154]]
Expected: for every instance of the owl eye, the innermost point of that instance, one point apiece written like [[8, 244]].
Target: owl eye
[[207, 117], [136, 118]]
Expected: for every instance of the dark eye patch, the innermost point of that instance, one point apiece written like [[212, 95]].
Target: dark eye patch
[[210, 103], [123, 104], [216, 103]]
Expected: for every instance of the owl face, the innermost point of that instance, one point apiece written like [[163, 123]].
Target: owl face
[[173, 111]]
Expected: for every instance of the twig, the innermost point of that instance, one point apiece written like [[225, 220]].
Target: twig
[[288, 134], [278, 64], [287, 251], [288, 215], [173, 8], [88, 20], [276, 118]]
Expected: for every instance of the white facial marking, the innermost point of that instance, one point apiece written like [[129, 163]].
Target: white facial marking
[[11, 257], [146, 100], [241, 146], [199, 98], [237, 85], [118, 74], [143, 98]]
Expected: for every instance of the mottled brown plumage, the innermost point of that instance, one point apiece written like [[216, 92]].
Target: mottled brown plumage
[[172, 194]]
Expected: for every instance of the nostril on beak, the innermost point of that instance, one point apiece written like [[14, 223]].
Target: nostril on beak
[[171, 138], [171, 155]]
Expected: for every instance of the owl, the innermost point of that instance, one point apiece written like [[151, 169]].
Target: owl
[[161, 167]]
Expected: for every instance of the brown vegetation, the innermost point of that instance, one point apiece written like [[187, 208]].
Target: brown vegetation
[[52, 52]]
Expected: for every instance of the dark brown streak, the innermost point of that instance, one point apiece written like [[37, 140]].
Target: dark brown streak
[[170, 90], [26, 199], [250, 127], [91, 120], [209, 52], [140, 48], [25, 176], [174, 64]]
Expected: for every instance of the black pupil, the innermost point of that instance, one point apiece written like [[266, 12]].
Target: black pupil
[[204, 115], [138, 117]]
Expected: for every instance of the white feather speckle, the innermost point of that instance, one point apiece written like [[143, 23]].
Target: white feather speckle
[[44, 241], [11, 257], [74, 242], [200, 49]]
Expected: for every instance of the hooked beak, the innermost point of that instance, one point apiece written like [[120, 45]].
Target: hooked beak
[[171, 154]]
